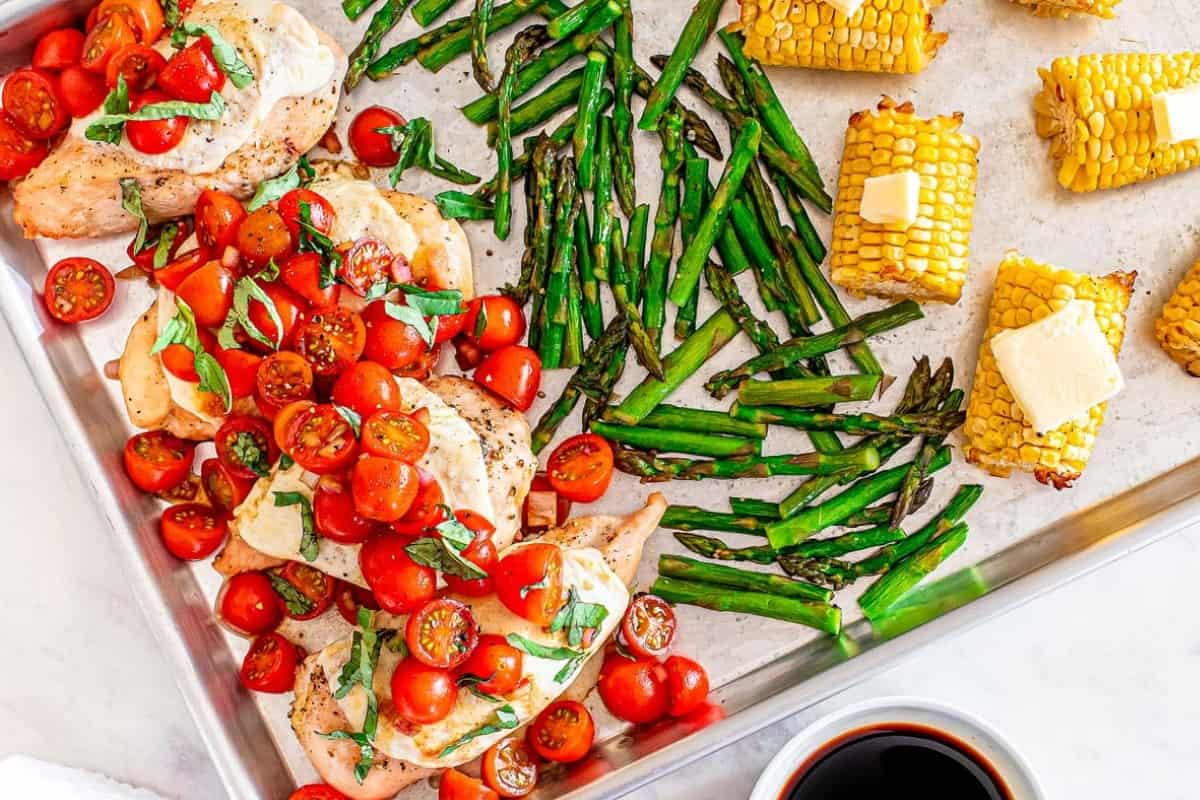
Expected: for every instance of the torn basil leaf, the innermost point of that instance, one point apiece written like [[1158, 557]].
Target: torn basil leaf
[[271, 190], [577, 617], [166, 240], [437, 303], [245, 290], [309, 540], [504, 719], [296, 601], [352, 417], [115, 103], [131, 201], [366, 751], [412, 318], [438, 553], [245, 447], [110, 125], [224, 53], [314, 241], [181, 329]]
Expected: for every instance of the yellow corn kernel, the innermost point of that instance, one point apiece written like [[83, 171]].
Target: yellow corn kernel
[[1178, 327], [1105, 9], [997, 437]]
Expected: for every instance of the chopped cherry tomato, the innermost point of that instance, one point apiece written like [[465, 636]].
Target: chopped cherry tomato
[[687, 686], [157, 461], [400, 584], [270, 665], [249, 605], [192, 531], [467, 354], [264, 236], [302, 274], [367, 388], [394, 434], [544, 507], [351, 598], [449, 326], [225, 490], [335, 516], [365, 263], [317, 791], [648, 628], [581, 468], [139, 65], [496, 663], [320, 212], [218, 215], [563, 732], [422, 695], [144, 16], [180, 361], [246, 447], [494, 321], [288, 305], [34, 103], [78, 289], [58, 49], [174, 273], [510, 768], [442, 633], [383, 489], [316, 587], [514, 373], [332, 339], [209, 293], [283, 378], [155, 135], [458, 786], [427, 510], [395, 344], [145, 257], [317, 437], [241, 367], [192, 73], [371, 147], [481, 552], [103, 41], [529, 581], [18, 153], [82, 91], [635, 691]]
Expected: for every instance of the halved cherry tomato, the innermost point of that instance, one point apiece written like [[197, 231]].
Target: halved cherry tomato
[[103, 41], [422, 695], [139, 65], [288, 305], [427, 510], [174, 273], [192, 74], [448, 325], [34, 103], [510, 768], [400, 584], [383, 489], [144, 16], [241, 367], [249, 605], [192, 531], [494, 321], [317, 587], [302, 274], [283, 378], [635, 691], [514, 373], [457, 786], [687, 686], [395, 344], [180, 361], [370, 147], [648, 628], [78, 289], [544, 507], [246, 447], [18, 153], [317, 437], [334, 514], [209, 293], [351, 598], [496, 663], [442, 633], [156, 135], [317, 791], [481, 552], [82, 91], [331, 339], [218, 215], [365, 262], [264, 236], [367, 388], [58, 49], [581, 468], [225, 490], [529, 582], [270, 665], [563, 732], [145, 257], [157, 461], [320, 212], [394, 434]]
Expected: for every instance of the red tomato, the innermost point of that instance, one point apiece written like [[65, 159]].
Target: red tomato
[[302, 274], [270, 665], [58, 49], [350, 598], [372, 148], [316, 587], [192, 73], [394, 434], [581, 468], [365, 263], [332, 339], [395, 344], [383, 489], [145, 258], [529, 582], [467, 354], [367, 387], [320, 212], [563, 732], [209, 293], [481, 552], [139, 65], [334, 514], [218, 216], [144, 16], [174, 273], [241, 367], [78, 289], [544, 507], [457, 786], [156, 135], [181, 361], [246, 447], [288, 305], [497, 662], [264, 236], [400, 584], [34, 104], [422, 695], [225, 490], [249, 605], [103, 41], [426, 511], [687, 686], [82, 91], [192, 531], [317, 791], [514, 373], [635, 691], [494, 321], [283, 378], [18, 153], [648, 628], [442, 633], [157, 461], [317, 437], [510, 768]]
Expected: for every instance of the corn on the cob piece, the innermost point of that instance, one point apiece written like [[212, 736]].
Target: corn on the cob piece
[[1105, 9], [998, 438], [882, 36], [927, 261], [1178, 327], [1097, 112]]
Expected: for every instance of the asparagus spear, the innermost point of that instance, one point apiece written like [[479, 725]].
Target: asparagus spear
[[884, 593], [481, 17], [537, 110], [804, 227], [355, 8], [808, 392], [599, 394], [623, 80], [542, 240], [635, 252], [572, 354], [573, 18], [694, 419], [822, 616], [689, 569], [721, 284], [937, 424], [589, 113], [652, 469], [831, 572], [847, 543], [951, 515], [662, 245], [696, 31], [387, 17], [522, 47], [520, 291], [709, 547], [752, 507], [695, 196], [603, 210], [916, 471], [690, 442], [750, 234], [559, 137], [691, 518], [406, 51], [882, 513], [592, 313], [639, 337], [458, 42], [567, 206], [427, 12], [799, 308]]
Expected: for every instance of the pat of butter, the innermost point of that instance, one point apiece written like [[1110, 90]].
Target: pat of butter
[[847, 7], [1058, 367], [1177, 116], [892, 199]]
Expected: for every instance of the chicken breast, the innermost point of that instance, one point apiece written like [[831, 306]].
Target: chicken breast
[[620, 541]]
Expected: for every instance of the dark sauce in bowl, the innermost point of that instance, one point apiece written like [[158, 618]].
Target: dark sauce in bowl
[[897, 761]]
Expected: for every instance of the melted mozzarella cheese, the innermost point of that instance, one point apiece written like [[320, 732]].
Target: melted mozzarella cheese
[[362, 210], [185, 394], [584, 570]]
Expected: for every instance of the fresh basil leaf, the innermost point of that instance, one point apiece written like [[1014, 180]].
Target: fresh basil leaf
[[412, 318], [245, 290], [568, 669], [576, 617], [359, 669], [433, 304], [271, 190], [455, 532], [171, 15], [314, 241], [352, 417], [286, 462], [309, 540], [131, 201], [307, 173], [481, 321], [269, 273], [225, 54], [116, 102], [166, 240], [395, 642], [296, 601], [542, 651], [460, 205], [436, 553], [245, 447], [212, 377], [544, 583], [471, 683], [366, 751], [505, 719], [181, 329], [102, 129]]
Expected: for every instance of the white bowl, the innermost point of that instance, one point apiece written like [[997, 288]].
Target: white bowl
[[1018, 777]]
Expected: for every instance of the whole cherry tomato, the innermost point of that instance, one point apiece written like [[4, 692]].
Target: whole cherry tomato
[[320, 212], [249, 605], [192, 73], [510, 768], [78, 289], [332, 339], [270, 665], [395, 344], [302, 274], [400, 584], [263, 236], [648, 627], [35, 104], [494, 321], [82, 91], [457, 786], [442, 633], [384, 488], [209, 293], [687, 686], [334, 513], [367, 387], [313, 594], [317, 791], [157, 461], [218, 215], [371, 147], [496, 663], [581, 468], [225, 490], [192, 531], [155, 135], [635, 691], [58, 49], [422, 695], [563, 732], [514, 373], [529, 581], [481, 552]]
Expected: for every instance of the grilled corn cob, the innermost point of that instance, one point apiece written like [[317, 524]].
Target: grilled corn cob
[[927, 261], [1097, 112], [1178, 327], [882, 36], [1065, 8], [998, 438]]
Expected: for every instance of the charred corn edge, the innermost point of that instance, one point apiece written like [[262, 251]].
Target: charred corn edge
[[1062, 9], [1178, 326]]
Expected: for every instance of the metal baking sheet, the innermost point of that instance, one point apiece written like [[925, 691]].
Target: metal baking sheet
[[1141, 484]]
